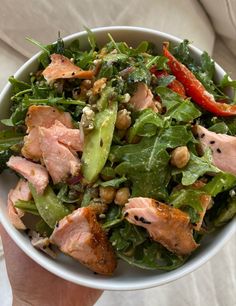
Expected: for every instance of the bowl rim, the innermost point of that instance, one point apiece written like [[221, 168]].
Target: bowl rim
[[227, 231]]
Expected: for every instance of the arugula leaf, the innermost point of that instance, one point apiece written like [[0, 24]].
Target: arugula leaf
[[147, 124], [220, 127], [150, 165], [17, 117], [196, 167], [182, 110], [226, 82], [152, 256], [187, 197], [164, 81], [140, 74], [221, 182], [91, 38], [128, 235], [113, 216], [116, 182], [133, 245], [176, 136], [17, 85], [4, 157], [9, 138], [227, 213]]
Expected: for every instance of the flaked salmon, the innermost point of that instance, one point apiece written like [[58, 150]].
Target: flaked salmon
[[143, 98], [20, 192], [66, 136], [58, 159], [32, 172], [43, 115], [82, 237], [62, 68], [167, 225], [223, 148]]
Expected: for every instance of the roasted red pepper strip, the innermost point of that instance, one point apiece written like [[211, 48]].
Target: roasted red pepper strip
[[195, 89]]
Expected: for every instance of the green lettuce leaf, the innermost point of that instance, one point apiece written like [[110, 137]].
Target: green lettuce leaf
[[147, 124], [144, 163], [177, 108], [196, 167], [221, 182]]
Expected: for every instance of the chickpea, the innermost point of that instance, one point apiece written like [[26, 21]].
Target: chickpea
[[122, 196], [123, 120], [107, 194], [180, 157]]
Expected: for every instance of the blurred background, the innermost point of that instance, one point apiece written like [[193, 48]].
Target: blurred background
[[210, 25]]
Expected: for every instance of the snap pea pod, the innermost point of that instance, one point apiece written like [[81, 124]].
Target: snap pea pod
[[50, 208], [27, 206], [98, 141]]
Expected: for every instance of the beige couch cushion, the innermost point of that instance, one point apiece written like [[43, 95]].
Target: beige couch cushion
[[42, 19]]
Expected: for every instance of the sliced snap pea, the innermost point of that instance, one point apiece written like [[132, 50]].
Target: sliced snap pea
[[50, 208], [98, 142]]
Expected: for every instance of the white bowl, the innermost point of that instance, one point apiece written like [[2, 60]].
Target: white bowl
[[125, 277]]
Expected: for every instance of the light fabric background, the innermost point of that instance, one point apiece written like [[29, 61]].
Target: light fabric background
[[210, 24]]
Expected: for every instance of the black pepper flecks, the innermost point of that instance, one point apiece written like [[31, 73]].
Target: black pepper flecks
[[202, 135], [73, 73], [136, 218], [126, 214], [218, 150], [212, 141], [144, 221]]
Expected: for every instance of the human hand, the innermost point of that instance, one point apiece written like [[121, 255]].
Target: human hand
[[33, 285]]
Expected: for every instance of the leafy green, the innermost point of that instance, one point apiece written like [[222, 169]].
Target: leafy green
[[43, 229], [226, 82], [113, 216], [221, 182], [116, 182], [132, 245], [17, 85], [182, 110], [147, 124], [226, 213], [164, 81], [4, 157], [150, 165], [9, 138], [91, 38], [220, 127], [139, 74], [187, 197], [176, 136], [196, 167]]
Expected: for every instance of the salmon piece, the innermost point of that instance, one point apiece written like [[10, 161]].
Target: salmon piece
[[143, 98], [62, 68], [58, 159], [167, 225], [68, 137], [223, 148], [82, 237], [20, 192], [31, 149], [34, 173], [43, 115]]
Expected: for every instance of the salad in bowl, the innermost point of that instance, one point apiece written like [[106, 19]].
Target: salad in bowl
[[121, 153]]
